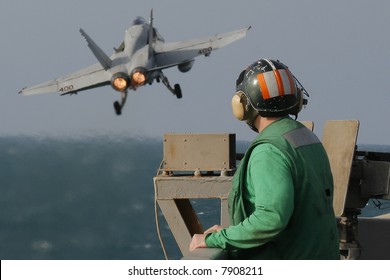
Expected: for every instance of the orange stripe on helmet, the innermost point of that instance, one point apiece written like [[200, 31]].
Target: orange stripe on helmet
[[279, 82], [263, 86]]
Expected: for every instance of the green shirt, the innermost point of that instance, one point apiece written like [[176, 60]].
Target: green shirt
[[281, 201]]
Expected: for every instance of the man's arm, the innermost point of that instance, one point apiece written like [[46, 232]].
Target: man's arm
[[272, 192]]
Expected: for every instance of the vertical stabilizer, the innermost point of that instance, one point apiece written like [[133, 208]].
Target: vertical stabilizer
[[151, 39], [104, 60]]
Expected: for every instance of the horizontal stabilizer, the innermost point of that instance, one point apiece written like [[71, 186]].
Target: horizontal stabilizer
[[104, 60], [83, 79]]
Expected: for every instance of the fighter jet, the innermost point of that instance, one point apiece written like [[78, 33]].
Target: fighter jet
[[139, 60]]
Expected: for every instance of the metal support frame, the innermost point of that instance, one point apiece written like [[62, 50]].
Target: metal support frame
[[173, 196], [350, 248], [339, 140]]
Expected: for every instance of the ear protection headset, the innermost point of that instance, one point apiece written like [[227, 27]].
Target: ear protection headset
[[243, 110], [241, 107]]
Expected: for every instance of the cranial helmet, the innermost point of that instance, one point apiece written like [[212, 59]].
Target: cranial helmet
[[267, 88]]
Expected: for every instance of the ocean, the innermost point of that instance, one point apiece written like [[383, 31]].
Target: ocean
[[90, 198]]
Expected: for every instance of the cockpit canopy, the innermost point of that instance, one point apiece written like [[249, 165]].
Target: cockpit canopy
[[142, 21], [139, 21]]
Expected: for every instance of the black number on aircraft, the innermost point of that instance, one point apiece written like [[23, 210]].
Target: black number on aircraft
[[205, 51], [66, 88]]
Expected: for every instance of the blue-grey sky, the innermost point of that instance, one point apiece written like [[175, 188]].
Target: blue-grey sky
[[338, 49]]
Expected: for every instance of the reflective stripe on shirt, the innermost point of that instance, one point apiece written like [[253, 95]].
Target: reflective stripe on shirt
[[301, 137]]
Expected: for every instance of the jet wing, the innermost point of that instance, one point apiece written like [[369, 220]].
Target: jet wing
[[170, 54], [90, 77]]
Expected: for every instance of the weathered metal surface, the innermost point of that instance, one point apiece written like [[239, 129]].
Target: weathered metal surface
[[199, 152], [172, 194], [182, 220], [308, 124], [376, 179], [206, 254], [339, 140], [172, 187]]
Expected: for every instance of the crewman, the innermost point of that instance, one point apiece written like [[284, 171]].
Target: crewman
[[281, 202]]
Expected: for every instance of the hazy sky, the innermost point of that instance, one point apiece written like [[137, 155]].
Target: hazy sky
[[338, 49]]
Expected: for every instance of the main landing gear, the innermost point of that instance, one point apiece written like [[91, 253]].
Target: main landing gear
[[176, 90], [118, 106]]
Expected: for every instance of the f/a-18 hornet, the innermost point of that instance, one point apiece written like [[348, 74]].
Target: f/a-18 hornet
[[138, 61]]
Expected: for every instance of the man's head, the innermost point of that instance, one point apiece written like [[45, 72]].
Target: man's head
[[266, 88]]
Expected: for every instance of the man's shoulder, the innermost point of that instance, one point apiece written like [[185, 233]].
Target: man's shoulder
[[265, 150]]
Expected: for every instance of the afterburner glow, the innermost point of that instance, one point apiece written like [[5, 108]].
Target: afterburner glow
[[120, 81], [138, 78], [120, 84]]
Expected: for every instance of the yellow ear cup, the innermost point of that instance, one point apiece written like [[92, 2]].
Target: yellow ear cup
[[242, 109], [239, 103]]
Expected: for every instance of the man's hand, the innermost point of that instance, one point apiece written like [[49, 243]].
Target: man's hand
[[214, 228], [198, 240]]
